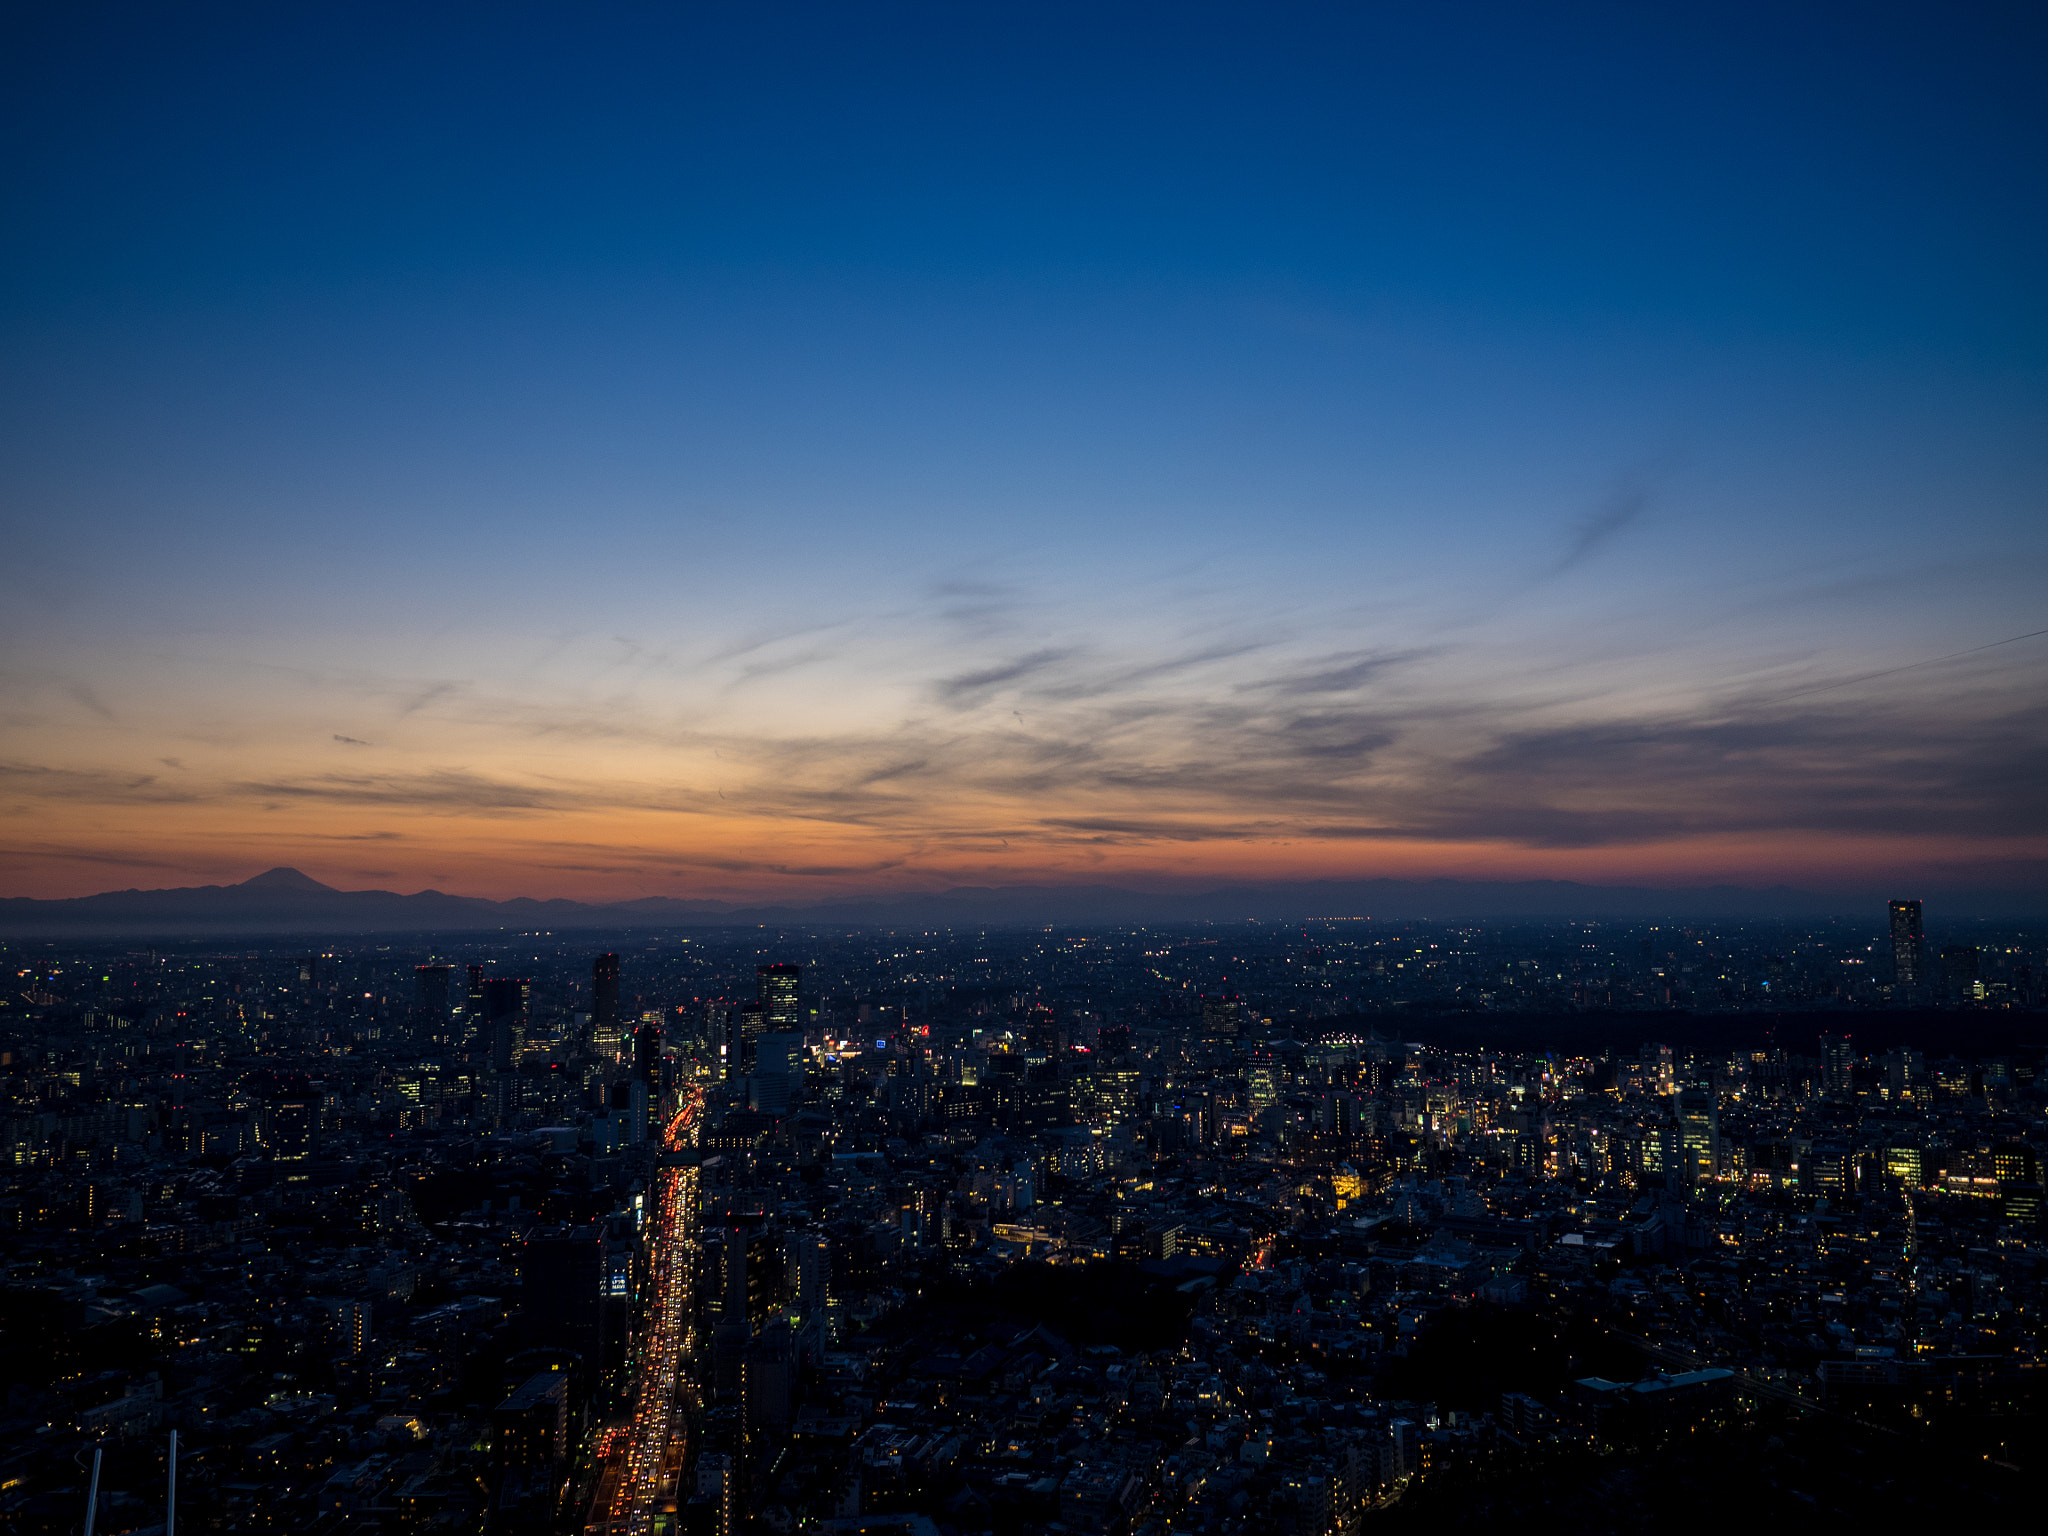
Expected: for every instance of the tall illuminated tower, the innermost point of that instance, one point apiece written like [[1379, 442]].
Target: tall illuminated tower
[[781, 992], [1699, 1136], [748, 1023]]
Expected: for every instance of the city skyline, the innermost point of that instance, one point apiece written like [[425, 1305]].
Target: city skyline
[[759, 460], [1294, 1230]]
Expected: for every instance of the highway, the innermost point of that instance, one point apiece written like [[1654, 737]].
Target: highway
[[644, 1462]]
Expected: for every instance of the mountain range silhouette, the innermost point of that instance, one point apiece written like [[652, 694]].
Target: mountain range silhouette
[[289, 901]]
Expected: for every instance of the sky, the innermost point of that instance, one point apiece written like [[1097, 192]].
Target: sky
[[803, 450]]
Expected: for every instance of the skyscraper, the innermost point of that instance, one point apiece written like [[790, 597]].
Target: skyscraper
[[732, 1294], [781, 992], [647, 1054], [604, 994], [1905, 1071], [1659, 1072], [351, 1324], [1221, 1015], [1262, 1082], [1699, 1137], [1837, 1066], [1961, 971], [505, 1002], [531, 1427], [639, 1110], [778, 1071], [1908, 945], [808, 1260], [749, 1024], [430, 997], [295, 1132]]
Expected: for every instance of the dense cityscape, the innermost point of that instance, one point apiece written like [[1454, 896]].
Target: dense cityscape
[[1247, 1228]]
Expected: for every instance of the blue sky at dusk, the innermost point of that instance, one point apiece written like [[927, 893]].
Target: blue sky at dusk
[[628, 449]]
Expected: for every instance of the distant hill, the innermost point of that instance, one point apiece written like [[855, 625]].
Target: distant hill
[[286, 901]]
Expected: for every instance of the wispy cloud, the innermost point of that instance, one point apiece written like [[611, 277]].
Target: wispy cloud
[[40, 852], [32, 781], [1817, 771], [1618, 511], [761, 640], [447, 791], [432, 693], [87, 700], [977, 608], [972, 687], [1343, 673]]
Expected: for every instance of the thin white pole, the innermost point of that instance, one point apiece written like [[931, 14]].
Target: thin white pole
[[171, 1498], [92, 1496]]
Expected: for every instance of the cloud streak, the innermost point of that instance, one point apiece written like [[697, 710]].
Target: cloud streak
[[1621, 509], [970, 688]]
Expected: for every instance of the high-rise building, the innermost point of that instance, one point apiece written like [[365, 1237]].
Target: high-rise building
[[507, 996], [767, 1374], [1699, 1137], [1828, 1168], [639, 1111], [1108, 1095], [1659, 1074], [531, 1427], [1909, 945], [295, 1129], [1262, 1083], [1043, 1101], [807, 1259], [749, 1024], [2014, 1162], [430, 997], [351, 1323], [732, 1274], [718, 1486], [604, 994], [1837, 1066], [506, 1000], [1221, 1016], [647, 1053], [1337, 1114], [1961, 971], [781, 994], [779, 1070]]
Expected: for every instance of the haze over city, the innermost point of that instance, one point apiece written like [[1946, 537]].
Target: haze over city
[[825, 452]]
